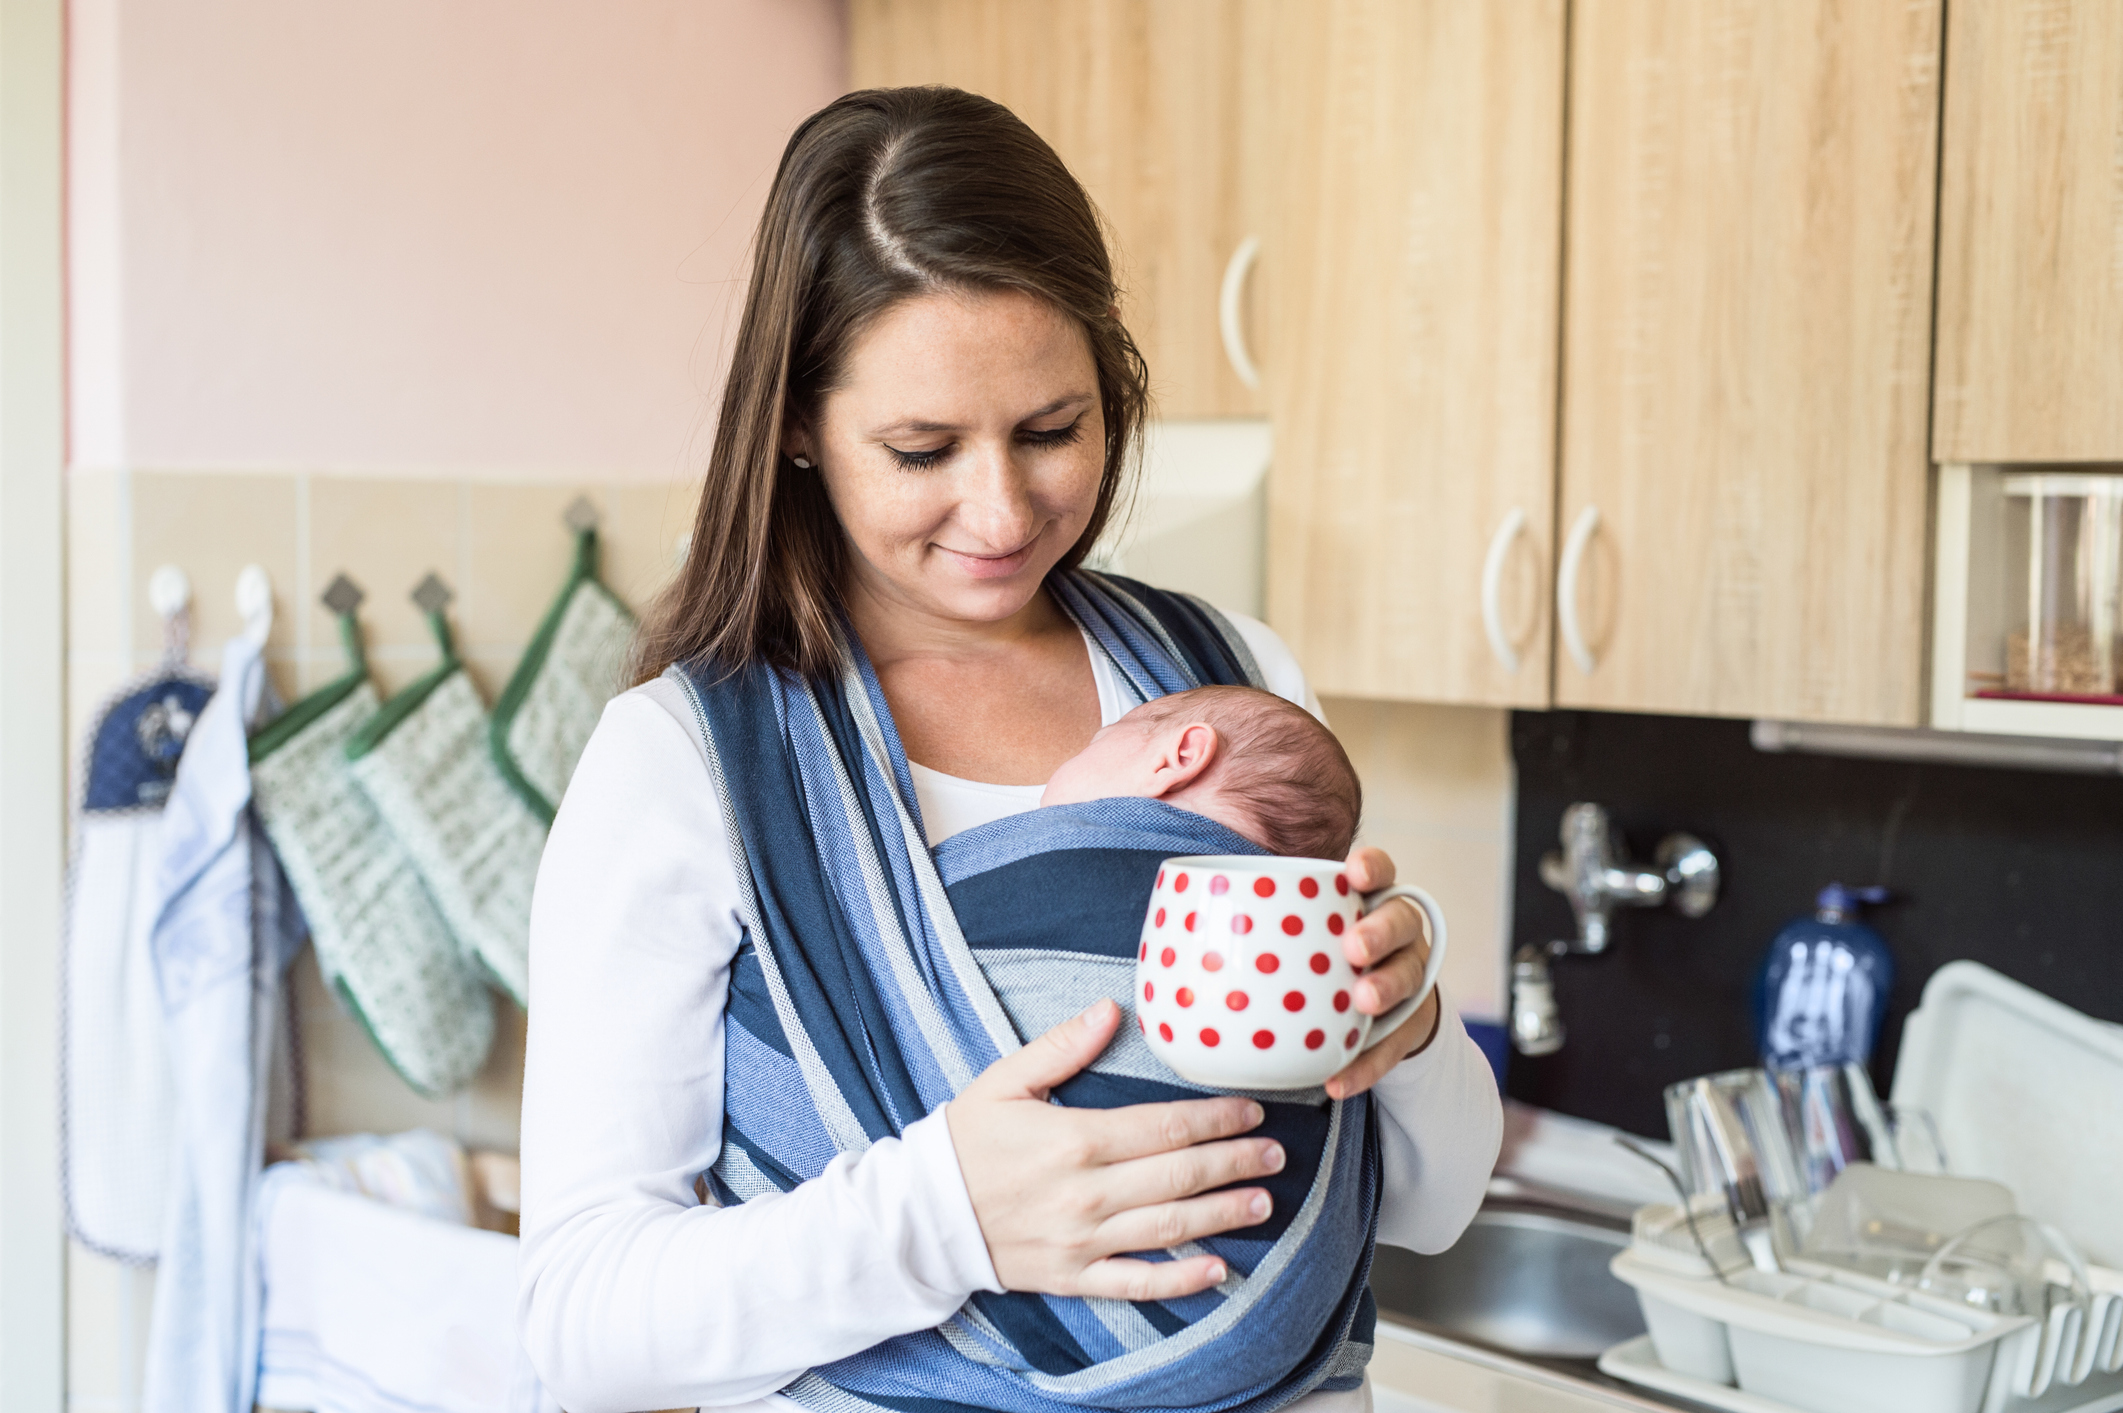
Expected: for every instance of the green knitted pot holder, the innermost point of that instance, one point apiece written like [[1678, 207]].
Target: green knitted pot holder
[[381, 942], [554, 698], [423, 762]]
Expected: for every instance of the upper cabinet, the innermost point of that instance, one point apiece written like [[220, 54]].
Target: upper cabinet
[[1409, 278], [1147, 102], [1746, 348], [2030, 336]]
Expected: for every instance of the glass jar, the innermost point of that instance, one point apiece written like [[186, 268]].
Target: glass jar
[[2064, 582]]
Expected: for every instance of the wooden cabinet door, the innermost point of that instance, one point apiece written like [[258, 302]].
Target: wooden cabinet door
[[1746, 338], [2030, 358], [1143, 99], [1410, 274]]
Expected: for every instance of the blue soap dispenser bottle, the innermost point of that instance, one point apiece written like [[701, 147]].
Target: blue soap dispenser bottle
[[1824, 986]]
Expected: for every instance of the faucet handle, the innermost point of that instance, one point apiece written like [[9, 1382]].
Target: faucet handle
[[1692, 873]]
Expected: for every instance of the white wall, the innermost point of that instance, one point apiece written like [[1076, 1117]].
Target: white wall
[[483, 235]]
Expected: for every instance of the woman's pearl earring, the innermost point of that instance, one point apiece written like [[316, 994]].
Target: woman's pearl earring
[[803, 463]]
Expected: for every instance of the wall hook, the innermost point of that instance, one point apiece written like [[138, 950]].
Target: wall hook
[[582, 514], [342, 596], [254, 603], [431, 595]]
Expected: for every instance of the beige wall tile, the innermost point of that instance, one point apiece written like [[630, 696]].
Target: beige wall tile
[[211, 526], [350, 1087], [490, 1113], [385, 535], [1438, 788], [97, 565], [518, 552], [640, 536]]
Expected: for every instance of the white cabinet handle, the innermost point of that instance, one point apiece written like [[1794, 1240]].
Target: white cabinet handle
[[1514, 525], [1228, 311], [1566, 589]]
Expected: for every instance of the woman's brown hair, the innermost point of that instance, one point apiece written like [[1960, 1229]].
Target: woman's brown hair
[[881, 195]]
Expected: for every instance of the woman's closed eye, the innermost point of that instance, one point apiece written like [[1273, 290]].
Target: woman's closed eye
[[1033, 437]]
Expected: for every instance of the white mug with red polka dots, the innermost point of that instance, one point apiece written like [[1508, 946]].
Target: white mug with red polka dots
[[1241, 981]]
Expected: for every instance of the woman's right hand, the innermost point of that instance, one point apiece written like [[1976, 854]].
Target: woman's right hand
[[1060, 1192]]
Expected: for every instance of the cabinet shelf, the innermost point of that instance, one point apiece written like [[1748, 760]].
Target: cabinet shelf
[[1969, 610]]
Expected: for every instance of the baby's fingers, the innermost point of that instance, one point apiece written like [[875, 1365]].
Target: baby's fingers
[[1125, 1278]]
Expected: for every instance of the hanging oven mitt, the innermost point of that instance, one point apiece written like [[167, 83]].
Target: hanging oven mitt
[[423, 762], [571, 669], [115, 1111], [381, 941]]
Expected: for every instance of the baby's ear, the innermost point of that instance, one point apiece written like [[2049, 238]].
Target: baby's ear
[[1185, 755]]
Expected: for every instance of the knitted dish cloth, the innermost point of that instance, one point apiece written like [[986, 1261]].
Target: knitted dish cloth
[[381, 941], [425, 765], [572, 667]]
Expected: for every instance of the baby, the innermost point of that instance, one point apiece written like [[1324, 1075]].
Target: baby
[[1247, 759]]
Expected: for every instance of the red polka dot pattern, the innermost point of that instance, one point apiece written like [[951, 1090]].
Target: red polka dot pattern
[[1211, 1039], [1319, 962], [1309, 887], [1293, 925], [1142, 953], [1149, 992], [1189, 924], [1267, 962], [1142, 1025], [1262, 1039], [1293, 1000], [1185, 996], [1212, 961], [1265, 887], [1168, 957], [1160, 920], [1219, 885], [1335, 923], [1341, 1000], [1349, 1041], [1313, 1038], [1236, 1000], [1164, 1033], [1241, 924], [1160, 878], [1179, 884], [1341, 884]]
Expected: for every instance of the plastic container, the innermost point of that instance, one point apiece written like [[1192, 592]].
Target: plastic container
[[2064, 577], [1824, 985]]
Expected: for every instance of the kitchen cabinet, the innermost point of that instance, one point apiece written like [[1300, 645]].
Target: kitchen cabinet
[[2030, 342], [1746, 346], [1147, 101], [1410, 278]]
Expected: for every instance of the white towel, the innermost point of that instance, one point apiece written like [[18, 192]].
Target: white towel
[[373, 1309], [224, 931], [114, 1065]]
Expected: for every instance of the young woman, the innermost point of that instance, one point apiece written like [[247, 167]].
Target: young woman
[[780, 1141]]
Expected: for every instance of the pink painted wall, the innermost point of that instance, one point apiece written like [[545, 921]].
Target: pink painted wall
[[467, 236]]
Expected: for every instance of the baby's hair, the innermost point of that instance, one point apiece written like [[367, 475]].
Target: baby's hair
[[1277, 762]]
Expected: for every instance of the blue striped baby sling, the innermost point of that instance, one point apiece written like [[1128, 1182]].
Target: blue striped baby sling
[[877, 978]]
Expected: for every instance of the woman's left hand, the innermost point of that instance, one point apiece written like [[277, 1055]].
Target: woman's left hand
[[1390, 942]]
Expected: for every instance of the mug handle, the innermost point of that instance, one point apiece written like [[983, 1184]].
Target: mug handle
[[1394, 1019]]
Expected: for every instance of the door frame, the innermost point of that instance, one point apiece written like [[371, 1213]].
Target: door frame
[[32, 698]]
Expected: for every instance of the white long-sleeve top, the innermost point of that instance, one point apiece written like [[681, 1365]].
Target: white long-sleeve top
[[634, 1295]]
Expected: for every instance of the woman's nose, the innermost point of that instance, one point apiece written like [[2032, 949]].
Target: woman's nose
[[996, 500]]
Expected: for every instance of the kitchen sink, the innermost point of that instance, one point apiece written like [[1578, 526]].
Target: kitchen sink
[[1524, 1280]]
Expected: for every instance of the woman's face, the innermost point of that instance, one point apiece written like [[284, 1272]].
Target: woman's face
[[962, 452]]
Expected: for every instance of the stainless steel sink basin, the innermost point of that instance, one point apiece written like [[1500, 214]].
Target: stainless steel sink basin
[[1527, 1282]]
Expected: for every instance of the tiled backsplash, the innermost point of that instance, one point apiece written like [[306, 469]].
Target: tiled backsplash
[[2019, 870]]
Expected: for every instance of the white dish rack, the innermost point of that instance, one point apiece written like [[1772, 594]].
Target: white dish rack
[[2027, 1093], [1827, 1340]]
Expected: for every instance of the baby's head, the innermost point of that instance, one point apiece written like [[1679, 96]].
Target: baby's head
[[1247, 759]]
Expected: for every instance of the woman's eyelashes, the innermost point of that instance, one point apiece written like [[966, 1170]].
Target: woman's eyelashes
[[1042, 439]]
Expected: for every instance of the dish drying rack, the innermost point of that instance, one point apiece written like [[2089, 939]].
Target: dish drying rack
[[2028, 1094], [1829, 1340]]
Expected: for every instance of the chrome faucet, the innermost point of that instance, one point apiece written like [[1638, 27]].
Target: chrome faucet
[[1590, 870]]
